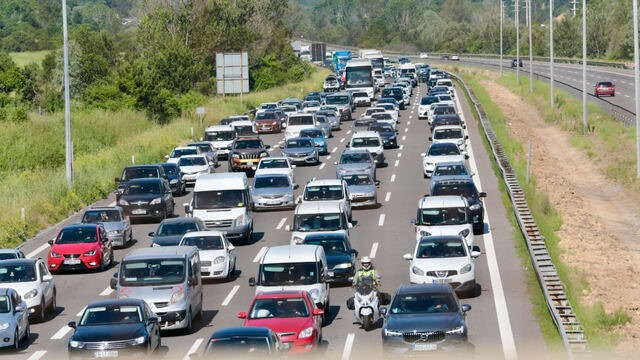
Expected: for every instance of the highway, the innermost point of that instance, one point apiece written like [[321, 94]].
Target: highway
[[501, 323]]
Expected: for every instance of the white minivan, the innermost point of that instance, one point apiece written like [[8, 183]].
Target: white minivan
[[223, 202]]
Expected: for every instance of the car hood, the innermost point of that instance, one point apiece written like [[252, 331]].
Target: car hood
[[266, 121], [274, 171], [361, 189], [79, 248], [210, 255], [21, 287], [113, 225], [169, 240], [115, 332], [434, 264], [356, 167], [443, 158], [423, 322], [336, 258], [272, 191], [298, 150], [140, 197], [282, 325], [193, 169], [221, 144]]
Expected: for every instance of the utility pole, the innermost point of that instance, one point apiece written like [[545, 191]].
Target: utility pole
[[584, 66], [501, 20], [67, 100], [553, 99], [636, 73], [530, 47], [517, 10]]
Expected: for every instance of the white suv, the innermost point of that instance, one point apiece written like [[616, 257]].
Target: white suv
[[450, 134], [371, 141], [328, 190], [318, 216], [444, 215]]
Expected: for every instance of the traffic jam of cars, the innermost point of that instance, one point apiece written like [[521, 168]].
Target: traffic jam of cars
[[207, 198]]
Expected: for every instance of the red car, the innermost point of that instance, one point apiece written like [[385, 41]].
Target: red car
[[291, 314], [80, 247], [605, 88]]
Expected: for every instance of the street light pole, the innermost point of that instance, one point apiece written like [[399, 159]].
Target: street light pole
[[553, 99], [501, 19], [67, 100], [530, 47], [636, 73], [517, 42], [584, 66]]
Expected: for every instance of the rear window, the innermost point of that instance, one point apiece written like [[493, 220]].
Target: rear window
[[605, 84]]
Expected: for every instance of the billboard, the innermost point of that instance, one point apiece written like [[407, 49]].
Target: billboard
[[232, 73]]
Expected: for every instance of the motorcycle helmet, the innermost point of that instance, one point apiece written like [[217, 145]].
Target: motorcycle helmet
[[366, 263]]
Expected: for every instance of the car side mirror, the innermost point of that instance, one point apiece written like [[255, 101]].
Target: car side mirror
[[318, 311], [407, 256], [383, 311], [113, 283], [187, 208], [335, 163], [413, 222], [242, 315], [72, 324], [47, 277], [50, 242], [151, 233], [252, 281], [281, 146], [118, 180], [153, 320], [287, 228], [465, 308], [482, 194], [267, 146]]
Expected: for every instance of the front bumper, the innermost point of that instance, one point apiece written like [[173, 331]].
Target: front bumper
[[284, 202], [244, 164], [293, 345], [144, 212], [95, 350], [302, 158], [214, 271], [362, 201], [74, 263]]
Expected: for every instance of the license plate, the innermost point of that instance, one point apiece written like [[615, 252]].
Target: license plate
[[138, 211], [424, 347], [441, 281], [72, 261], [105, 354], [250, 163]]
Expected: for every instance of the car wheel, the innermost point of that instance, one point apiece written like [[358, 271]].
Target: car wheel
[[231, 272], [130, 237], [102, 265], [111, 258], [189, 327], [327, 312], [27, 333], [53, 305], [42, 314], [16, 340]]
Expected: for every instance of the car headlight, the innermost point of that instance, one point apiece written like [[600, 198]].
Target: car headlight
[[115, 232], [424, 233], [177, 296], [264, 154], [138, 341], [76, 344], [219, 260], [475, 207], [235, 156], [343, 266], [456, 331], [305, 333], [173, 181], [464, 233], [370, 194], [31, 294], [416, 270], [388, 332], [155, 244], [465, 269], [54, 254], [156, 201], [123, 202], [239, 220], [90, 253]]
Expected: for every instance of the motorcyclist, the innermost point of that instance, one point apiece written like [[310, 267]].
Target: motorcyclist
[[367, 270]]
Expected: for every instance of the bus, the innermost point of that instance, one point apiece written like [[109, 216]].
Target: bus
[[359, 77]]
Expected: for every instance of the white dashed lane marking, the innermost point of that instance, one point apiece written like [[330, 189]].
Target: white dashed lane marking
[[321, 166], [374, 250], [334, 150], [106, 292], [259, 254], [233, 291], [193, 349], [387, 197], [381, 220], [393, 178], [61, 333], [281, 223], [37, 355], [397, 163], [346, 352]]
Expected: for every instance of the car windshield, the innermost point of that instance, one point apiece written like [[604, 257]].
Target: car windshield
[[111, 314], [219, 135], [5, 306], [299, 143], [337, 100], [266, 116], [443, 149], [357, 180], [372, 111], [192, 161], [605, 84], [382, 116], [445, 98], [440, 134], [268, 106], [381, 127], [177, 228], [273, 164], [443, 110], [137, 173], [222, 199], [365, 142], [143, 188], [182, 152], [466, 189], [94, 216], [300, 120], [152, 272], [171, 169], [77, 235], [204, 242], [437, 248], [318, 222], [355, 158], [262, 182], [312, 133], [248, 144], [427, 100], [330, 245], [323, 192], [280, 308], [304, 273], [443, 216], [17, 273], [423, 303], [450, 169]]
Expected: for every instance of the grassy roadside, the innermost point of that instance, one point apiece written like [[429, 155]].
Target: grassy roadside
[[25, 58], [598, 325], [104, 142]]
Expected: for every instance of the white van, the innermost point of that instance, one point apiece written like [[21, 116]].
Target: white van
[[220, 136], [297, 122], [222, 201], [295, 267], [168, 279]]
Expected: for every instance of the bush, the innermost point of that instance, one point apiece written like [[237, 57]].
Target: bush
[[107, 97]]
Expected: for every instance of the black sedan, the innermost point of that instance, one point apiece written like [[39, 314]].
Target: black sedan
[[243, 342], [387, 133], [170, 231], [340, 255], [115, 328], [425, 319], [147, 198]]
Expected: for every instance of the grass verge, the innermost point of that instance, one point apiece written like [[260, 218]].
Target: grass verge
[[25, 58]]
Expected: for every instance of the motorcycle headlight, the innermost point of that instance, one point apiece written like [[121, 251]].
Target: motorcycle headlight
[[31, 294], [416, 270], [123, 202], [464, 233], [173, 181], [155, 201], [305, 333], [76, 344], [219, 260], [343, 266], [90, 253], [465, 269], [177, 296], [388, 332], [138, 341], [456, 331]]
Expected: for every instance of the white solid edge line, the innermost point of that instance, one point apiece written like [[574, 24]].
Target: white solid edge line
[[233, 291], [37, 251], [346, 353], [194, 348], [61, 333], [37, 355], [502, 314], [106, 292], [374, 250], [280, 224], [259, 254], [381, 219]]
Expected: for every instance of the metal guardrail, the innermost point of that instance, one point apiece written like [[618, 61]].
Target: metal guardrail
[[566, 321]]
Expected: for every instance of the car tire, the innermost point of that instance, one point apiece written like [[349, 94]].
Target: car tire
[[230, 273], [42, 314], [16, 340], [102, 267], [189, 327], [327, 312], [111, 259], [53, 305], [27, 333]]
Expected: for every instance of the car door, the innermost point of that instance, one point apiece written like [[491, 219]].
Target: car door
[[231, 252], [168, 198], [46, 286], [21, 317], [153, 327]]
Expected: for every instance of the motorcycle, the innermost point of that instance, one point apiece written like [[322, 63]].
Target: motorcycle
[[365, 303]]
